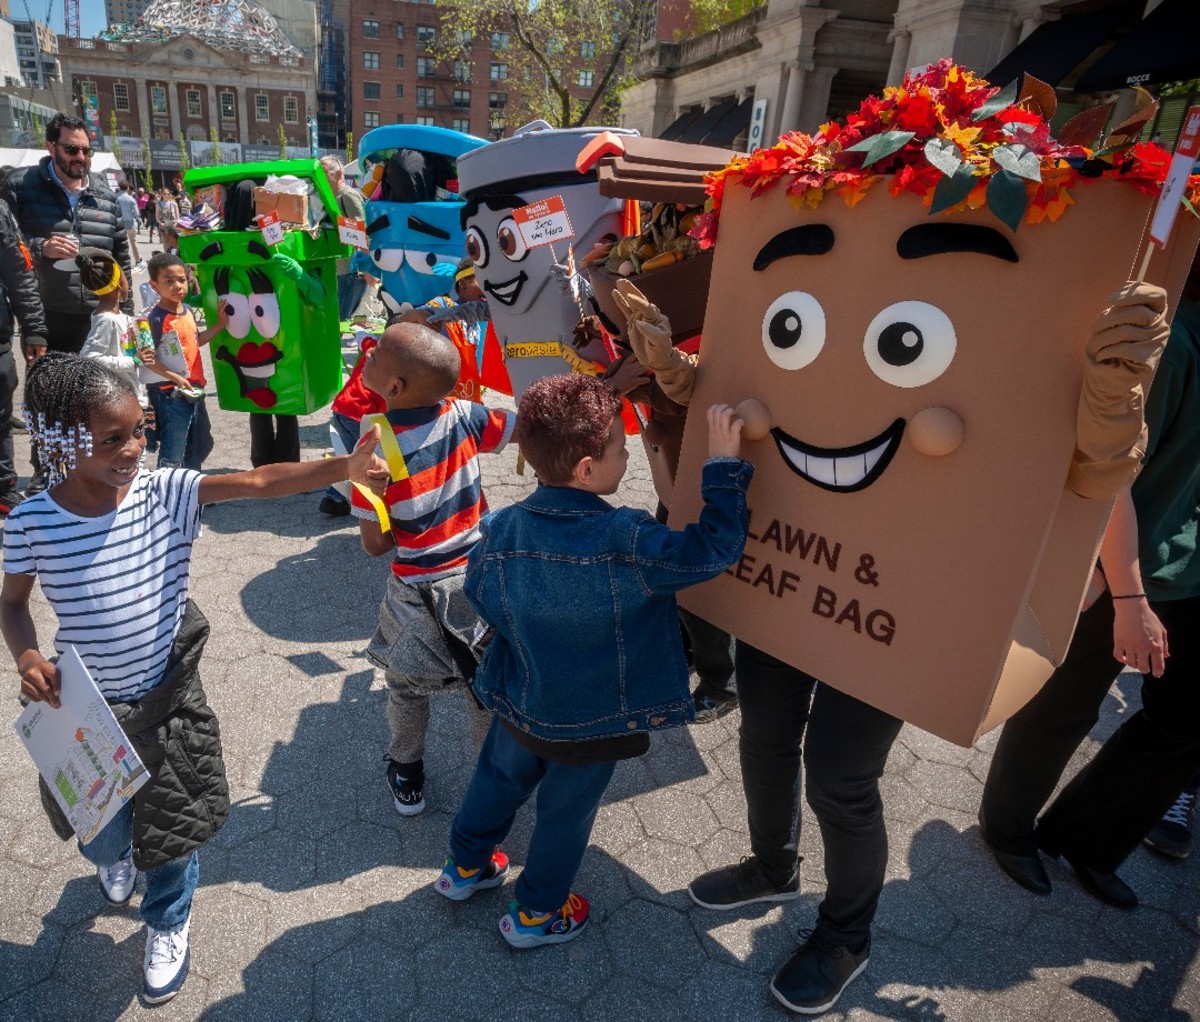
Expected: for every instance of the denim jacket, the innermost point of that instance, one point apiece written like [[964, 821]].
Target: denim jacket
[[581, 595]]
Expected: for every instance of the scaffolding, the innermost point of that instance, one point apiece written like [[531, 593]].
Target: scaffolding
[[225, 24]]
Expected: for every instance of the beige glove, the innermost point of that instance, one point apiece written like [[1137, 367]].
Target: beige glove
[[649, 334], [1120, 359]]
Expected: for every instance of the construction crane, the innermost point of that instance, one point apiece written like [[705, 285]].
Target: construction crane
[[70, 18]]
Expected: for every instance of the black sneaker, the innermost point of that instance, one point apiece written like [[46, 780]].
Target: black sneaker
[[408, 793], [10, 499], [333, 507], [710, 707], [815, 976], [1172, 835], [745, 883]]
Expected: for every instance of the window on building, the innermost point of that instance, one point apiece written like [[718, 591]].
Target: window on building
[[262, 107], [400, 30], [370, 119], [400, 90], [371, 90], [586, 78], [554, 47], [462, 99], [426, 35], [426, 67], [400, 61], [499, 41], [228, 105], [461, 124], [88, 89], [462, 70], [464, 37], [370, 60], [192, 97], [497, 100], [370, 29], [427, 121], [121, 97], [425, 95], [158, 99], [587, 49], [291, 110], [499, 71]]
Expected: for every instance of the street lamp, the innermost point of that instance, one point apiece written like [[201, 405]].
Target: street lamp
[[312, 137]]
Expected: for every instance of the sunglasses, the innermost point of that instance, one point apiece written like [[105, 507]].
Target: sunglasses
[[74, 150]]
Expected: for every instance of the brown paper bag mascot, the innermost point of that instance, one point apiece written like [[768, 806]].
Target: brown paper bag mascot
[[943, 424]]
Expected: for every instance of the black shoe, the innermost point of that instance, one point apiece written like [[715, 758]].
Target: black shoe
[[1172, 835], [710, 707], [815, 976], [408, 792], [333, 507], [1108, 887], [16, 423], [1027, 870], [9, 499], [745, 883]]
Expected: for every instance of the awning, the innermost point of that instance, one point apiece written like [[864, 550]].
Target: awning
[[1054, 49], [673, 130], [706, 122], [731, 125], [1164, 47]]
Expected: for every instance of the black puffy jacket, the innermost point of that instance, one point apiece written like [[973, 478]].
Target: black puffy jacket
[[18, 288], [42, 209]]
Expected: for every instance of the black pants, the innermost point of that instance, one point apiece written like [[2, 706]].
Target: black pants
[[786, 715], [273, 439], [67, 331], [712, 654], [1102, 815], [8, 387]]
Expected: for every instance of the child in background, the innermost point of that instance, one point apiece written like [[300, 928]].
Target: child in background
[[184, 435], [586, 658], [353, 401], [426, 634], [112, 545]]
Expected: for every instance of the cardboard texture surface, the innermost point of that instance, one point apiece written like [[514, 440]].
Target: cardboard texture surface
[[941, 589]]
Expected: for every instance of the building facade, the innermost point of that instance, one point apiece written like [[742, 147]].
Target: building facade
[[123, 12], [37, 53]]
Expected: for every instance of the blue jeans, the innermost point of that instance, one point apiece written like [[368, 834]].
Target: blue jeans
[[568, 796], [174, 414], [351, 288], [169, 889], [348, 429]]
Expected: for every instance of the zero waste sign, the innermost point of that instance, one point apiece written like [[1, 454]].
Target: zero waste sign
[[544, 222]]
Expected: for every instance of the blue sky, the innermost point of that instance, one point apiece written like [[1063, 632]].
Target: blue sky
[[91, 14]]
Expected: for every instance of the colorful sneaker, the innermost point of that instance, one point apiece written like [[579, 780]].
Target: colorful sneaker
[[165, 966], [408, 793], [459, 884], [117, 880], [522, 928]]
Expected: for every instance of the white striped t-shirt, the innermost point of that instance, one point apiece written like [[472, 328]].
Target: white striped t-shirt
[[118, 583]]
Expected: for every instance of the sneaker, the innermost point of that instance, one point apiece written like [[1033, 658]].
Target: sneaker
[[459, 884], [522, 928], [408, 793], [1172, 835], [732, 887], [117, 880], [10, 499], [334, 507], [815, 976], [165, 966], [711, 707]]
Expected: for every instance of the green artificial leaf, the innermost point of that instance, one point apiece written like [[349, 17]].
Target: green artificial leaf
[[1005, 97], [943, 154], [1019, 160], [950, 191], [1187, 204], [884, 144], [1006, 197]]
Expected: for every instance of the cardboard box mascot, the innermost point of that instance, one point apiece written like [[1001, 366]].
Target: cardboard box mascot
[[943, 421]]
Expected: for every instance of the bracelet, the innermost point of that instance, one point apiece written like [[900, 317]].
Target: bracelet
[[1131, 596]]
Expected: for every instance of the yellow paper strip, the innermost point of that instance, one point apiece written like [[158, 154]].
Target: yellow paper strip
[[397, 468], [372, 498]]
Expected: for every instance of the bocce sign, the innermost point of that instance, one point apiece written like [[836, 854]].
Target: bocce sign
[[352, 232], [544, 222]]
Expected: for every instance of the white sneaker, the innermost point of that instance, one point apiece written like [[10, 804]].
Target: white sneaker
[[165, 966], [117, 880]]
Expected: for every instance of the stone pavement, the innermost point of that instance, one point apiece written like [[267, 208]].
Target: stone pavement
[[315, 900]]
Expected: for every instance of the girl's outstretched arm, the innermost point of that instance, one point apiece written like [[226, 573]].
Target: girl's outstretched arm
[[39, 677]]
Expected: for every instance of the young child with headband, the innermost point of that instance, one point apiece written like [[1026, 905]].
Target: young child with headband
[[111, 544]]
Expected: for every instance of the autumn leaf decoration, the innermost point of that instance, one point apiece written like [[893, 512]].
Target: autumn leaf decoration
[[956, 142]]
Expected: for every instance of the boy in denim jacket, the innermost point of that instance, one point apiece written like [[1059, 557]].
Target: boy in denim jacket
[[586, 658]]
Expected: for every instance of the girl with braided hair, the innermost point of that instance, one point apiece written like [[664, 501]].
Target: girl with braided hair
[[111, 544]]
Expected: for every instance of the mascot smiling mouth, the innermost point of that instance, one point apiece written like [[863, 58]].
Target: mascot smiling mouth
[[254, 365], [507, 292], [840, 469]]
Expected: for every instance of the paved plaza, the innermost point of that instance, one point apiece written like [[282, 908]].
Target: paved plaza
[[316, 900]]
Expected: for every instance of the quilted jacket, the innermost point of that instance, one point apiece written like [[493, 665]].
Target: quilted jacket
[[42, 209], [176, 734], [18, 288]]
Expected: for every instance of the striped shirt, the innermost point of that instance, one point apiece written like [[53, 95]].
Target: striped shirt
[[118, 583], [435, 511]]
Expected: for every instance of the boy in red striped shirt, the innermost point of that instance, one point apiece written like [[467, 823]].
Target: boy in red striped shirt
[[433, 500]]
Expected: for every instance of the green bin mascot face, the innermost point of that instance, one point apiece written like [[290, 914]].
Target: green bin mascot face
[[252, 307]]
